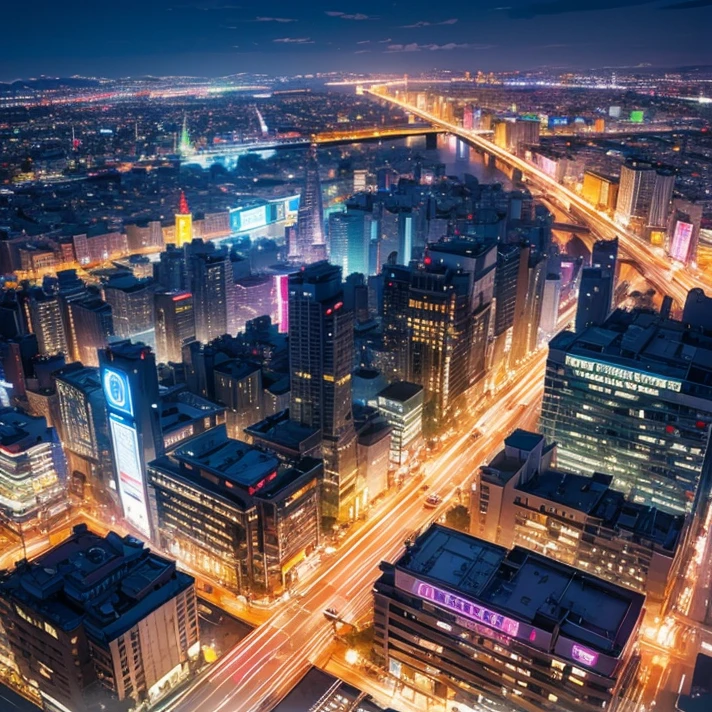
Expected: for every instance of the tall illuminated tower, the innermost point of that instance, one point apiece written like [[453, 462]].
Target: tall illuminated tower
[[311, 245], [184, 222], [185, 148]]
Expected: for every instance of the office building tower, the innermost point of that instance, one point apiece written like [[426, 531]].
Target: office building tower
[[130, 383], [594, 298], [172, 269], [213, 289], [521, 499], [629, 398], [184, 223], [13, 322], [321, 357], [401, 404], [550, 305], [131, 302], [531, 280], [310, 217], [605, 255], [174, 321], [33, 471], [254, 297], [47, 323], [505, 286], [697, 312], [16, 365], [84, 429], [644, 197], [465, 620], [235, 513], [96, 621], [92, 325], [349, 241], [394, 324], [238, 386]]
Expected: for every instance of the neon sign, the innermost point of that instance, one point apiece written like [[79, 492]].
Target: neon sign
[[117, 391], [585, 656], [467, 608]]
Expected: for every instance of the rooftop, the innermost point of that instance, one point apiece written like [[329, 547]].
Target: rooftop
[[401, 391], [526, 586], [108, 583], [20, 431]]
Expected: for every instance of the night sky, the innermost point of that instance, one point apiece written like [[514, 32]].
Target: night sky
[[219, 37]]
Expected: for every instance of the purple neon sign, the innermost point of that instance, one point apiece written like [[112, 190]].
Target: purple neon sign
[[467, 608], [583, 655]]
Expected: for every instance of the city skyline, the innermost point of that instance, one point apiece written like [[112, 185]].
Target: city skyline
[[222, 37]]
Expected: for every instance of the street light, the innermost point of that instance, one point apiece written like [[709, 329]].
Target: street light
[[351, 656]]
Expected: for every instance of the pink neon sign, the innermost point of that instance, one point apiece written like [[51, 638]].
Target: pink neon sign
[[585, 656], [467, 608]]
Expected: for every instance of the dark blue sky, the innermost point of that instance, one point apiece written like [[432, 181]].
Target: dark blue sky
[[218, 37]]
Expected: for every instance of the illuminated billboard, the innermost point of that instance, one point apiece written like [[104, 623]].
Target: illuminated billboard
[[467, 608], [681, 239], [636, 117], [130, 473], [117, 391], [583, 655], [281, 289], [558, 121], [253, 218]]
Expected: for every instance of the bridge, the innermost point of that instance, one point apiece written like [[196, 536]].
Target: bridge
[[571, 227], [230, 152], [658, 268]]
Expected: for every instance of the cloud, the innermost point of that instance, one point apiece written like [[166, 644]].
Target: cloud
[[415, 47], [688, 5], [275, 19], [294, 40], [427, 23], [364, 42], [362, 51], [386, 41], [350, 16]]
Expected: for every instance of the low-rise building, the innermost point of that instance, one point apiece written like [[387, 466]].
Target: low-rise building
[[235, 513], [97, 618], [521, 499], [463, 619]]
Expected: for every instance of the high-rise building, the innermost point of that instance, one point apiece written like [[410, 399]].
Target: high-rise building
[[506, 275], [629, 398], [521, 499], [396, 331], [684, 231], [401, 404], [84, 428], [131, 302], [184, 223], [531, 280], [130, 382], [92, 325], [594, 297], [644, 196], [33, 470], [349, 241], [406, 236], [213, 289], [311, 245], [172, 270], [236, 513], [96, 620], [238, 386], [175, 324], [600, 190], [47, 323], [464, 619], [321, 357]]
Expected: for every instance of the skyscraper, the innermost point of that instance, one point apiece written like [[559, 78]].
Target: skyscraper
[[213, 289], [131, 302], [175, 324], [311, 245], [130, 382], [92, 325], [48, 323], [321, 353], [184, 222], [629, 398], [172, 272], [396, 331], [349, 241], [598, 283]]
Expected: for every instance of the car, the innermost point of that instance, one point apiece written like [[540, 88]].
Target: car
[[476, 434], [424, 488], [331, 613], [433, 500]]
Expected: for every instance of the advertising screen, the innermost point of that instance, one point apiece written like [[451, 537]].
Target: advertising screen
[[294, 203], [130, 474], [636, 117], [281, 284], [253, 218], [558, 121], [681, 239], [117, 391]]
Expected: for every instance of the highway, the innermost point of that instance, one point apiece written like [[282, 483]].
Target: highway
[[264, 666], [657, 266]]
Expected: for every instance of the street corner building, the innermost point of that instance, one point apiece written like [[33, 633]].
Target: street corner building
[[99, 621], [459, 618]]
